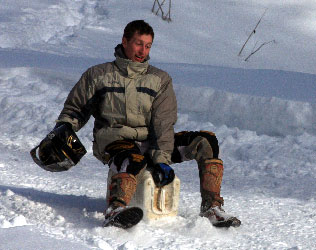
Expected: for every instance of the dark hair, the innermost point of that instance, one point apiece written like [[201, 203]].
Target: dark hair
[[139, 26]]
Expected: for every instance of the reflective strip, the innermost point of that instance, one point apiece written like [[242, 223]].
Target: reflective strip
[[145, 90], [105, 90], [148, 91]]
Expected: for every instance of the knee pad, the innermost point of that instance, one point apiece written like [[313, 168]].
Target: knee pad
[[185, 138], [211, 138], [123, 150]]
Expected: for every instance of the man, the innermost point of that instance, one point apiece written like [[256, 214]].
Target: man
[[135, 109]]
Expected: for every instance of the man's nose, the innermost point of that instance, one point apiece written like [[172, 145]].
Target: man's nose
[[142, 49]]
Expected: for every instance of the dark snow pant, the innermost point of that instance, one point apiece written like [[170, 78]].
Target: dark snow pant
[[128, 156]]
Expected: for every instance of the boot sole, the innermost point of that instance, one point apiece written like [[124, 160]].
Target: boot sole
[[126, 218], [232, 222]]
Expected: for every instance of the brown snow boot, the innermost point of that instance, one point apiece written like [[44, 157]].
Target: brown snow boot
[[211, 175], [122, 188]]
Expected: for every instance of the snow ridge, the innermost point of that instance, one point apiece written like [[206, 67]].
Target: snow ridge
[[271, 116]]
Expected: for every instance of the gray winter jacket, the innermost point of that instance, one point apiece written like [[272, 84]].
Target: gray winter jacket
[[129, 100]]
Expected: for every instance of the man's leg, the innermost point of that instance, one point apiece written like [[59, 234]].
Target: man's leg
[[126, 161], [203, 147]]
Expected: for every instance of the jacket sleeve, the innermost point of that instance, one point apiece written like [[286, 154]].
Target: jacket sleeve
[[163, 118], [79, 104]]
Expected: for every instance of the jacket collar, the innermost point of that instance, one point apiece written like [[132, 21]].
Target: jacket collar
[[128, 67]]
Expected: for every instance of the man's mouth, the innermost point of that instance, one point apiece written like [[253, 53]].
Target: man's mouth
[[139, 58]]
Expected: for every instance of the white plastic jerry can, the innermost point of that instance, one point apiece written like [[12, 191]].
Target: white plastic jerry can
[[155, 202]]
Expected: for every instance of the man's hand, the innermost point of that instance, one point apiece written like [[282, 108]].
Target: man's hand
[[163, 174]]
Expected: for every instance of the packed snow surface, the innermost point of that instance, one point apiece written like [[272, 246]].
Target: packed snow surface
[[263, 112]]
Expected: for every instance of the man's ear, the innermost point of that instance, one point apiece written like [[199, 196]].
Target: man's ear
[[124, 42]]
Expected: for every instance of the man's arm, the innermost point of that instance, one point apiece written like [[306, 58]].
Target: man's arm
[[164, 116], [79, 104]]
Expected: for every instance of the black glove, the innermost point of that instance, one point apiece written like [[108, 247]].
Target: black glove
[[162, 174], [59, 124]]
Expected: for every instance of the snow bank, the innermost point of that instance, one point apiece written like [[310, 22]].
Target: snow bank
[[286, 85], [272, 116]]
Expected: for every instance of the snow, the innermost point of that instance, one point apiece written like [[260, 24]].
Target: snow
[[263, 112]]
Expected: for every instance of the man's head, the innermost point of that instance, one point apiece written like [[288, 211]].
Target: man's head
[[137, 40]]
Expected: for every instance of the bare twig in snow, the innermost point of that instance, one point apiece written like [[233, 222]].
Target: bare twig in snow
[[256, 50], [252, 32], [160, 8], [153, 8]]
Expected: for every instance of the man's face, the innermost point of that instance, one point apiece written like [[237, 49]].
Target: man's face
[[138, 47]]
